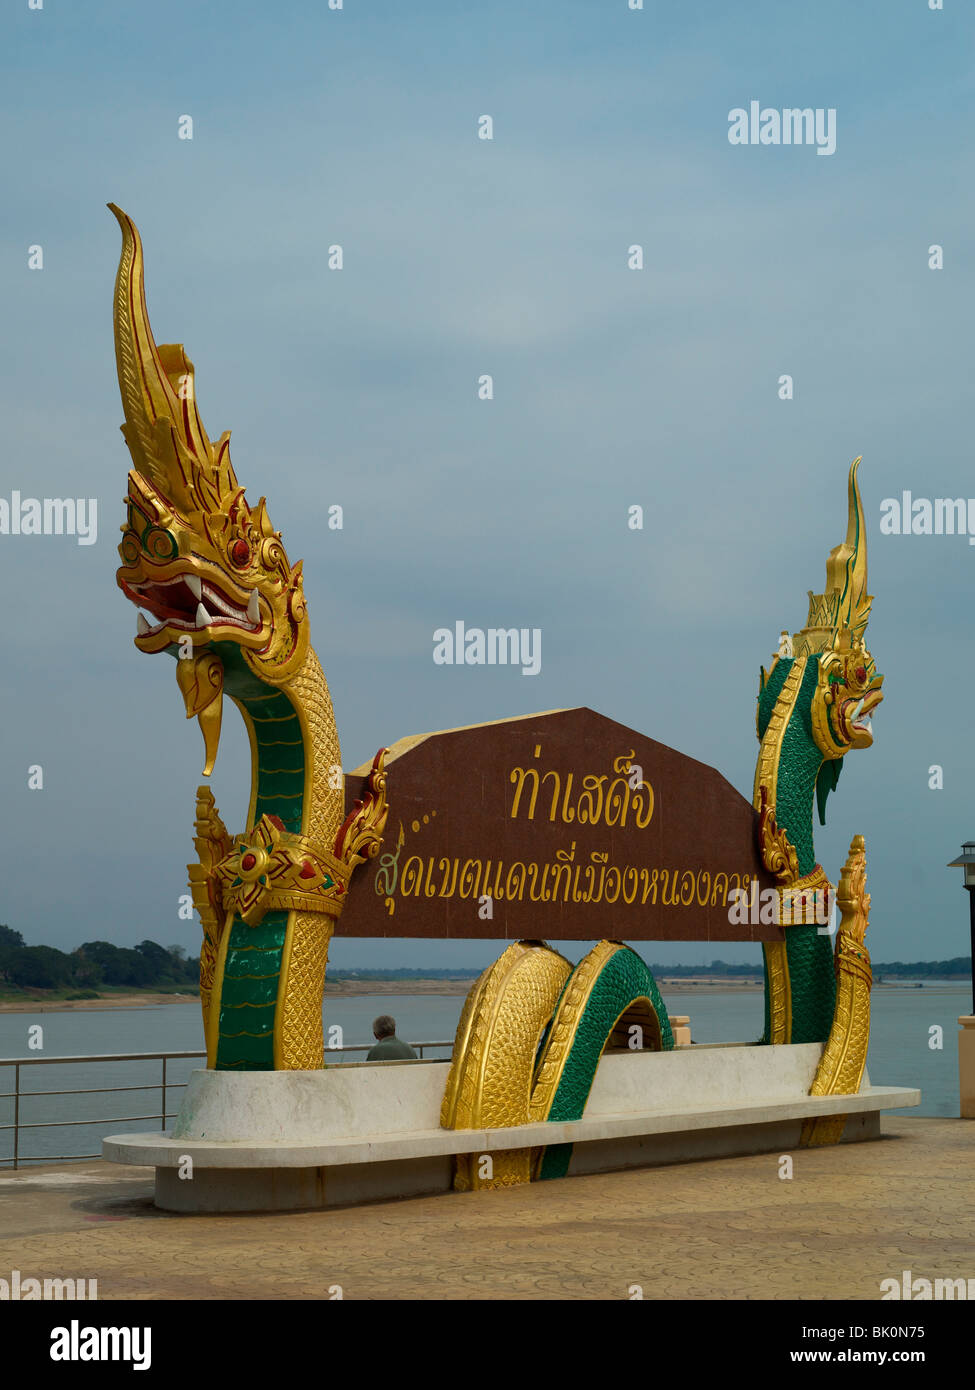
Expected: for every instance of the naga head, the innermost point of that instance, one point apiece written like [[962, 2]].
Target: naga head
[[848, 686], [209, 570]]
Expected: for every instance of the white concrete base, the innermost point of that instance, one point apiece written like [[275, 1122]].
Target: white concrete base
[[686, 1146], [264, 1141], [291, 1189]]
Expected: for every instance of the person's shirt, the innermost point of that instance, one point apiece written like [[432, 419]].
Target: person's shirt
[[390, 1050]]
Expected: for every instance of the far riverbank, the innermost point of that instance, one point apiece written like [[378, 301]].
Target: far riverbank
[[48, 1001]]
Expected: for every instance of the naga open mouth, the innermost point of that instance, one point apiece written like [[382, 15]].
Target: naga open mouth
[[855, 718], [190, 604]]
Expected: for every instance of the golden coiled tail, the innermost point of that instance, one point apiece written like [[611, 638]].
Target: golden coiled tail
[[845, 1054], [490, 1079], [610, 1001], [529, 1042]]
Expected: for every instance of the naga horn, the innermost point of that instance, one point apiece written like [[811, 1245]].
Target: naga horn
[[163, 429]]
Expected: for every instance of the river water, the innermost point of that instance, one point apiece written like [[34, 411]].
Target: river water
[[903, 1030]]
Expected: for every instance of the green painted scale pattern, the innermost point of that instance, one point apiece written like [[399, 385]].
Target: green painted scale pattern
[[252, 970], [623, 979], [809, 953]]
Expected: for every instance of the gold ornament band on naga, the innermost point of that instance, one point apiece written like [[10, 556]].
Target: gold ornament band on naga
[[853, 959], [297, 902], [778, 853], [271, 869], [779, 992]]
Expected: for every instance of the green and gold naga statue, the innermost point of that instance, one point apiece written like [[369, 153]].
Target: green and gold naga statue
[[814, 707], [227, 603], [533, 1029], [212, 573]]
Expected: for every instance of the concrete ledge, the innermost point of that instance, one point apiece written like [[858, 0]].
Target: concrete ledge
[[688, 1146], [162, 1151], [273, 1141], [379, 1100]]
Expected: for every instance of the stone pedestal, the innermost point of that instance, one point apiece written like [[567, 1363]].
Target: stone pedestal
[[966, 1066], [680, 1026], [286, 1140]]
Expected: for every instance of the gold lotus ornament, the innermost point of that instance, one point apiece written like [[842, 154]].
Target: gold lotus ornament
[[270, 868]]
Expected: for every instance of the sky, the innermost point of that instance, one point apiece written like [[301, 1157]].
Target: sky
[[613, 387]]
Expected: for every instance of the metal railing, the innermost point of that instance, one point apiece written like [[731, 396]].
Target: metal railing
[[164, 1085]]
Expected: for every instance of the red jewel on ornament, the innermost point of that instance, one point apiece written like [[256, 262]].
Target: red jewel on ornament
[[240, 553], [248, 861], [861, 674], [306, 870]]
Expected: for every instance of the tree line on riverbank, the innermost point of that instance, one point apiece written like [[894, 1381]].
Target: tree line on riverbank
[[957, 968], [94, 965], [98, 964]]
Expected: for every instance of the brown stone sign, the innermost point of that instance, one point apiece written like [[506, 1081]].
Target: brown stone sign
[[565, 826]]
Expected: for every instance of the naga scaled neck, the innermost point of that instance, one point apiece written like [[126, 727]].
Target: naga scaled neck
[[296, 764]]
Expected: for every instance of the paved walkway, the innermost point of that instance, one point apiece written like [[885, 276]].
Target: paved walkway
[[722, 1229]]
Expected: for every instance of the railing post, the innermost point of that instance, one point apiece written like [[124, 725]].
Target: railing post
[[16, 1113], [163, 1125]]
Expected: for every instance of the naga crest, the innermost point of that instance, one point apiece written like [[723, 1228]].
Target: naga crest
[[208, 569], [848, 686]]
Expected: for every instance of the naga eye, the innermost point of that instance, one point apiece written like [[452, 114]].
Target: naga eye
[[240, 553]]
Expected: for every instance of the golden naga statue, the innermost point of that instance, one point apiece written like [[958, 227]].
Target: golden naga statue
[[844, 1057], [223, 598], [815, 705], [533, 1029]]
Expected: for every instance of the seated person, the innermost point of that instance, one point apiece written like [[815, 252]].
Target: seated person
[[388, 1047]]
